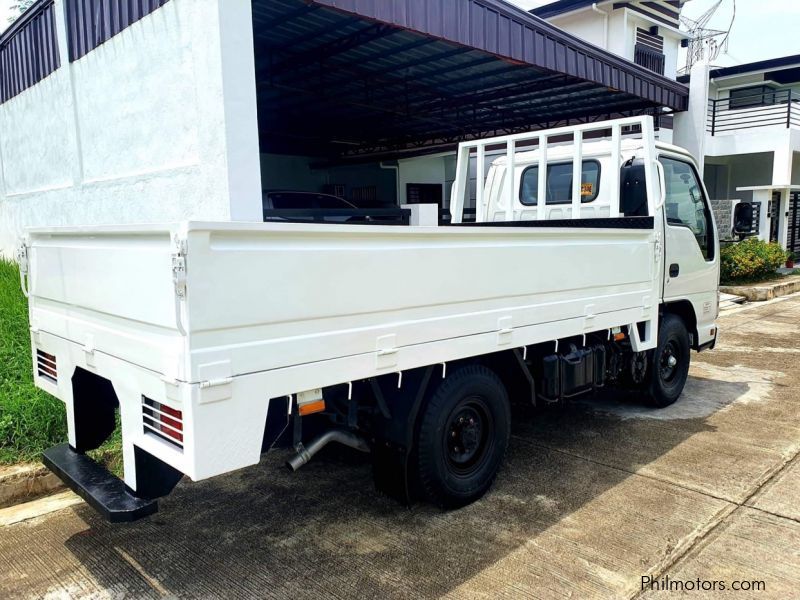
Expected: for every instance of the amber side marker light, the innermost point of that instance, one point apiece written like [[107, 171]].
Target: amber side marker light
[[311, 407], [619, 336]]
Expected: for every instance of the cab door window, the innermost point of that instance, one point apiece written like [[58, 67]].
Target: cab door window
[[685, 205]]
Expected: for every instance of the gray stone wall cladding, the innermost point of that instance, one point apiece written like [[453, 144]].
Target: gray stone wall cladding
[[722, 215]]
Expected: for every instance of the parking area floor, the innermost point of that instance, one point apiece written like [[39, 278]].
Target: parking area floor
[[592, 499]]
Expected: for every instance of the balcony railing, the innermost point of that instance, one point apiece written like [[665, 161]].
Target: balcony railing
[[779, 108], [649, 58]]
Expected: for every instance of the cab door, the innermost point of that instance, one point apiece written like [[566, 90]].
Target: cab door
[[691, 266]]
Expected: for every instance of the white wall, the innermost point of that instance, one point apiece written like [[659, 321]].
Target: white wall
[[689, 126], [146, 127], [425, 169], [586, 25], [618, 35], [746, 170]]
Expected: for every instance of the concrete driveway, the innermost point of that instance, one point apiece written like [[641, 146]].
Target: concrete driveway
[[592, 499]]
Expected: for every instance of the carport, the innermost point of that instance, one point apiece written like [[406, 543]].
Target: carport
[[345, 88]]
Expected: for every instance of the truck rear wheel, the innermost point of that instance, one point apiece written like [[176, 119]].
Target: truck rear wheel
[[463, 435], [669, 367]]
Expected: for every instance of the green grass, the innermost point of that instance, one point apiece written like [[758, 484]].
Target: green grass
[[30, 419]]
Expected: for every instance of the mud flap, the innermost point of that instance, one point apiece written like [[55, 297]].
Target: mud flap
[[394, 431]]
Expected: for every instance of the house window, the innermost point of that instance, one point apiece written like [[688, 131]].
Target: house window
[[559, 183], [651, 40], [649, 51], [648, 58], [758, 95]]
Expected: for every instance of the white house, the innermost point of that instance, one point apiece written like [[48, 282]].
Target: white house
[[114, 111], [751, 143], [644, 32]]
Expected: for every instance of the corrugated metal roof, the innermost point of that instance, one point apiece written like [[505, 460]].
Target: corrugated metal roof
[[351, 76], [498, 27], [28, 50]]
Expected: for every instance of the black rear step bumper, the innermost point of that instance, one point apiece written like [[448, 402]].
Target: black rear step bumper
[[106, 493]]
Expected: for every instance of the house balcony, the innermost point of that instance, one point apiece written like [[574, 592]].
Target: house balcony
[[649, 58], [775, 109]]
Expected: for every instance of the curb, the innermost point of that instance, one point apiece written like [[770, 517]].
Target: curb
[[21, 483], [765, 291]]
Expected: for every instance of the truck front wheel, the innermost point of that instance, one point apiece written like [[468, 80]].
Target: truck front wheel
[[463, 435], [669, 367]]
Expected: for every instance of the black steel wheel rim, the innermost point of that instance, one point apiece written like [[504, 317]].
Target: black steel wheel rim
[[468, 437], [669, 361]]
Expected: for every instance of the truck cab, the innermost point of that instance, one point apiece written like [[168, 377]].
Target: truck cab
[[608, 186]]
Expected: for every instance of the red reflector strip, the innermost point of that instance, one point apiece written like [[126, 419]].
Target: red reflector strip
[[162, 420], [172, 424], [46, 365]]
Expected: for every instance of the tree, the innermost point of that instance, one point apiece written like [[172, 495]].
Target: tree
[[18, 7]]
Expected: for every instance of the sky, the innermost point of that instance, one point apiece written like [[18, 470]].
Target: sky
[[762, 28]]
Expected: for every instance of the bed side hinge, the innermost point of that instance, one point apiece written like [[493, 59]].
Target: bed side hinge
[[22, 262], [658, 246], [209, 383], [179, 267]]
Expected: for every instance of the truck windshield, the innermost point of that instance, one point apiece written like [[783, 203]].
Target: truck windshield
[[559, 183]]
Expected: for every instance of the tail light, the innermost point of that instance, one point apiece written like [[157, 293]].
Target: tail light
[[163, 421], [46, 366]]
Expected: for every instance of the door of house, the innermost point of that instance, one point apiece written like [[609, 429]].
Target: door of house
[[793, 231]]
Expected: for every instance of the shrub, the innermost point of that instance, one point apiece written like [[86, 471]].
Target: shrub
[[751, 260]]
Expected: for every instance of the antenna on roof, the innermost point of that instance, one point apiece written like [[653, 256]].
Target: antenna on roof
[[706, 44]]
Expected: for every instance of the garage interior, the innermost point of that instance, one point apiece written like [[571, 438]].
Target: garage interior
[[367, 99]]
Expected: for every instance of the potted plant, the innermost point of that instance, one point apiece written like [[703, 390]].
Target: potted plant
[[790, 260]]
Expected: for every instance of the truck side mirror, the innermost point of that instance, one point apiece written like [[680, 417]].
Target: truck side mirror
[[743, 218]]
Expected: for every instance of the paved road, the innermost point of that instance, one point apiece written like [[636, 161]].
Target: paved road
[[592, 498]]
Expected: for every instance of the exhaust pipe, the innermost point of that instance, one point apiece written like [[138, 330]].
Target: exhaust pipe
[[305, 453]]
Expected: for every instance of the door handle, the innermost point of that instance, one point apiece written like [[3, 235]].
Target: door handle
[[674, 270]]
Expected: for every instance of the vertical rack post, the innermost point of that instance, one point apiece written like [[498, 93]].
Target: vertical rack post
[[511, 183], [460, 184], [480, 209], [541, 182], [649, 144], [577, 174], [613, 176]]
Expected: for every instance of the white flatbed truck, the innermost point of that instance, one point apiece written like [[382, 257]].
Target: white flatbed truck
[[217, 341]]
